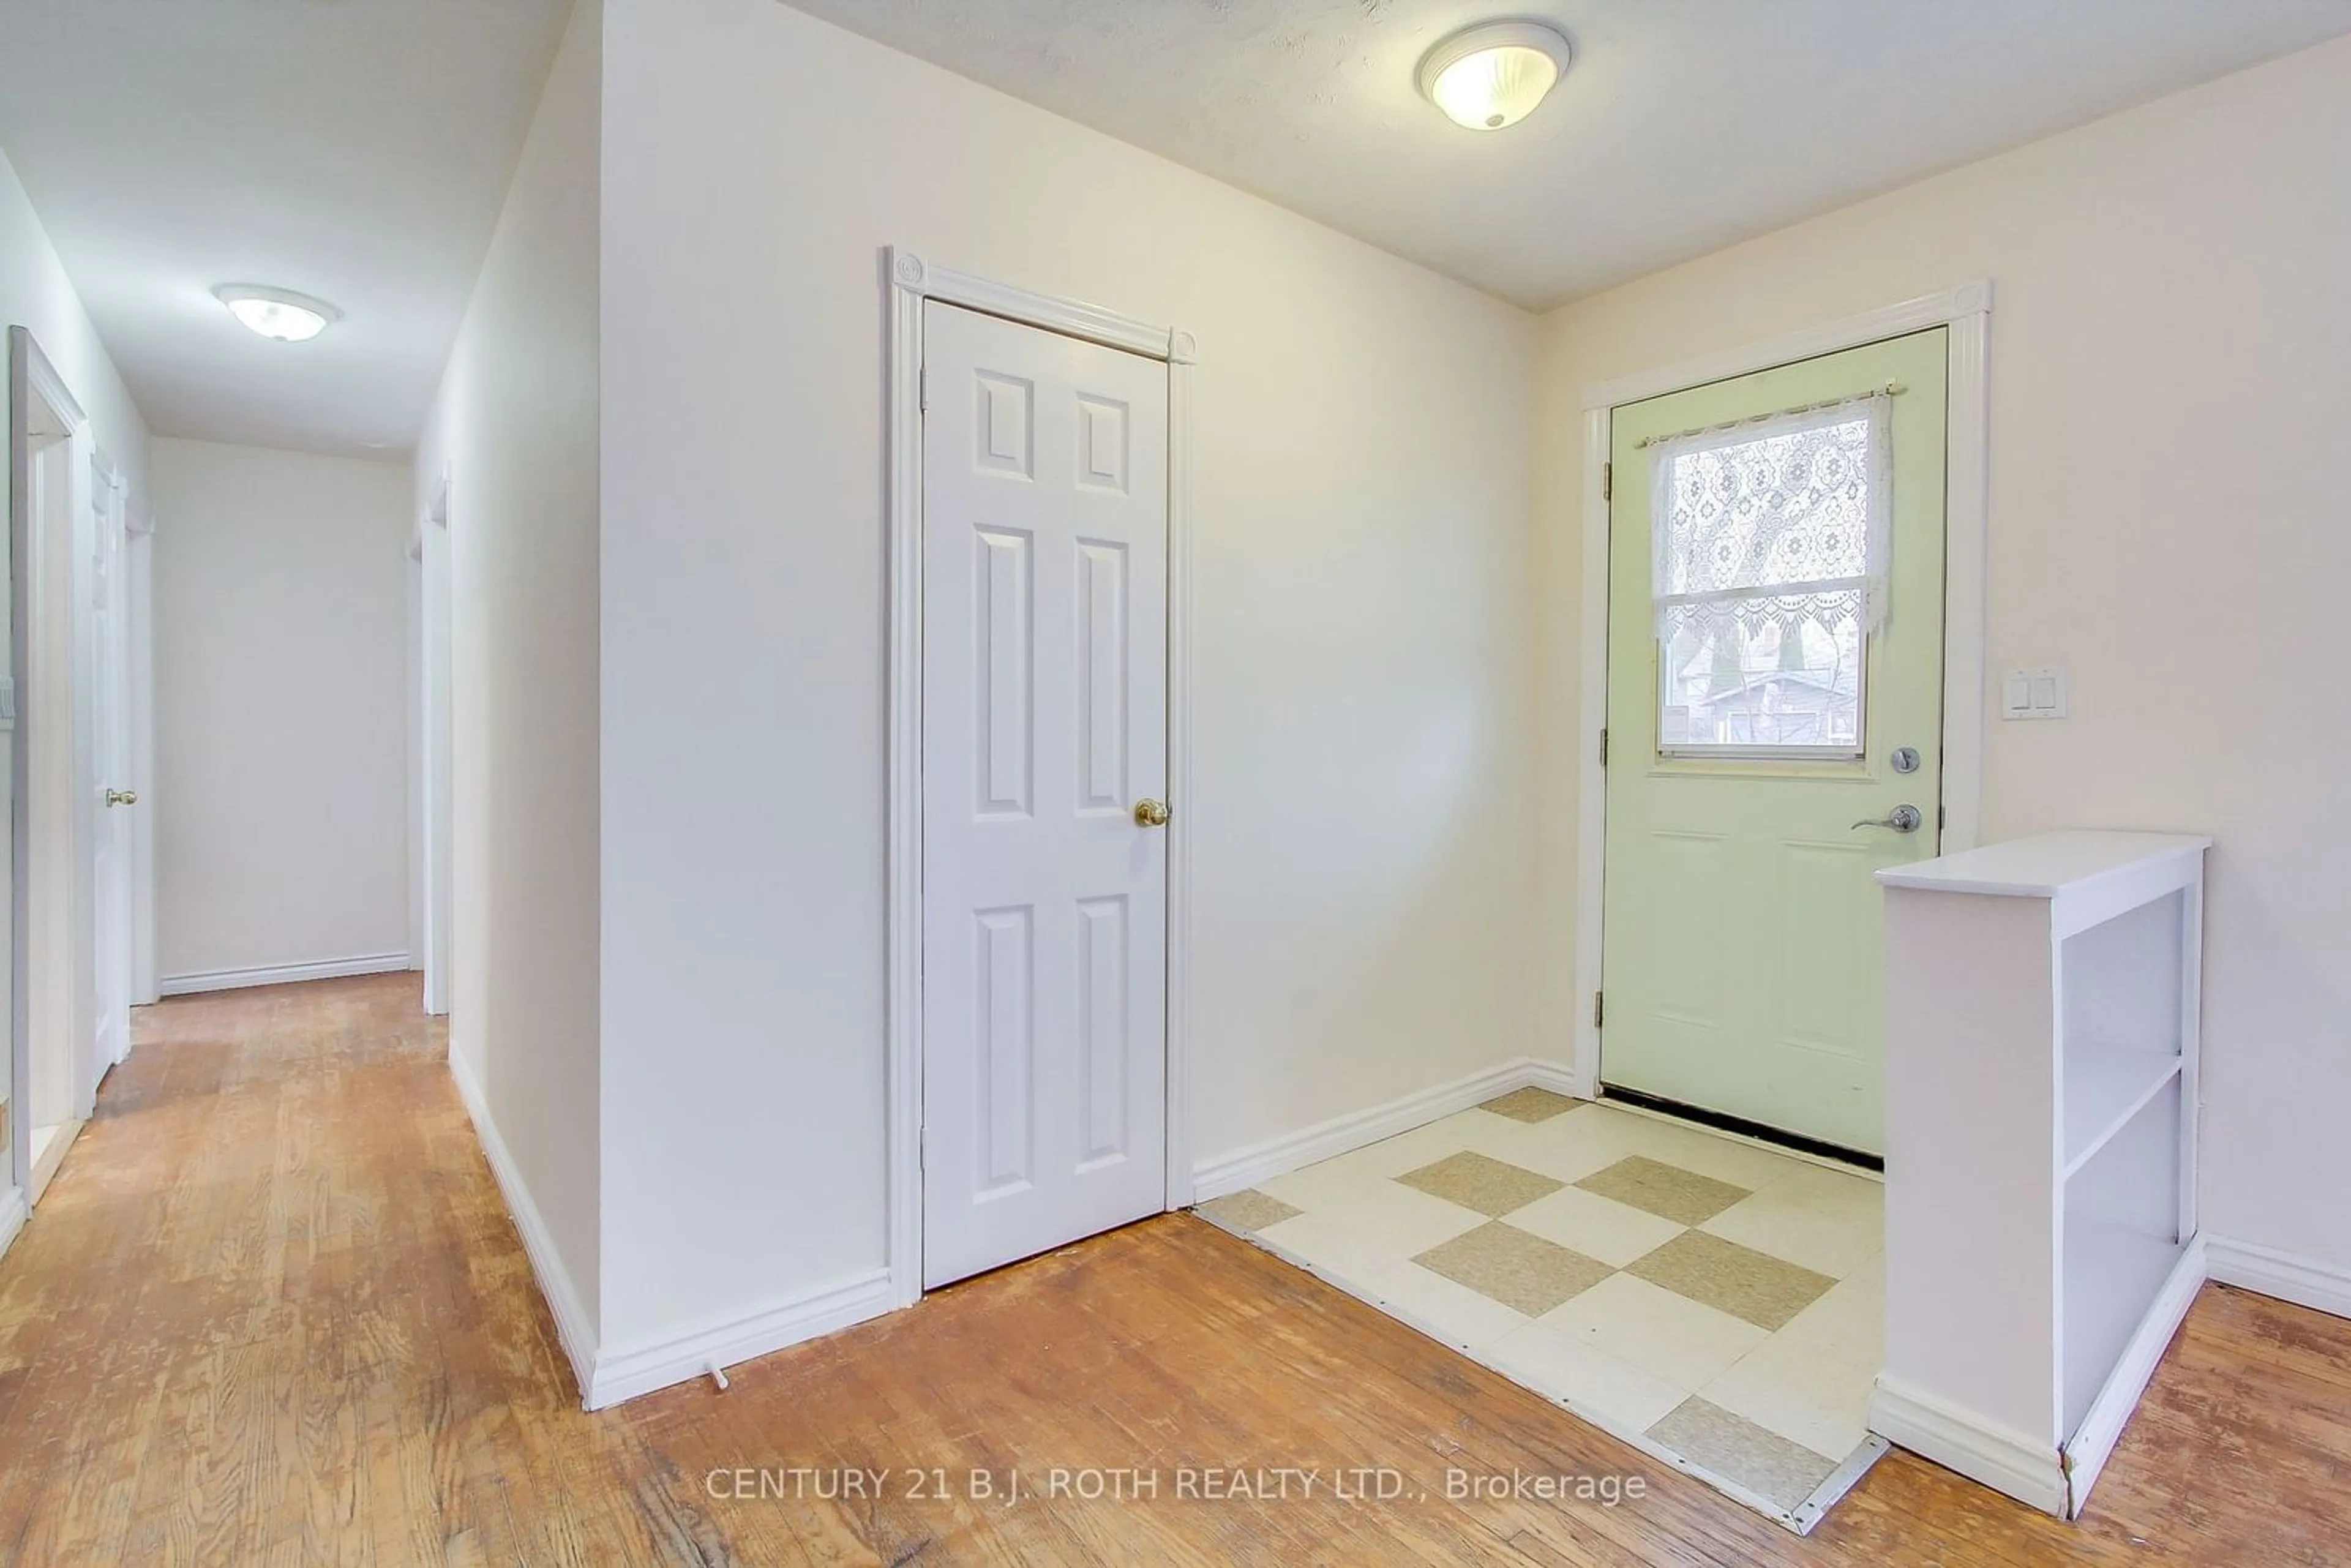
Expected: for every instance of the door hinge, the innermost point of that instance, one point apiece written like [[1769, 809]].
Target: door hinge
[[1942, 817], [922, 396], [1604, 748], [1608, 481], [1599, 1007], [923, 1148]]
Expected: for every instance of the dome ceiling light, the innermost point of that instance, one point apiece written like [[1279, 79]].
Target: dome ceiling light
[[1494, 74], [278, 313]]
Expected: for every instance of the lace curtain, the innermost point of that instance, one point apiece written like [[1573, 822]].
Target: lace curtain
[[1776, 524]]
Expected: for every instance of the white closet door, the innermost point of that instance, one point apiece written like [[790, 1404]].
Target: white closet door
[[1044, 723]]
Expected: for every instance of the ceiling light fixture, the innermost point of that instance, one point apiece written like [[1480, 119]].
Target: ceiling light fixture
[[278, 313], [1494, 74]]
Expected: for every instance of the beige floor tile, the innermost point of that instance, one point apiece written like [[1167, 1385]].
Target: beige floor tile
[[1826, 1220], [1756, 1286], [1571, 1146], [1398, 1219], [1598, 1226], [1318, 1185], [1847, 1326], [1594, 1384], [1522, 1271], [1684, 1341], [1672, 1191], [1442, 1308], [1249, 1210], [1820, 1401], [1530, 1104], [1310, 1189], [1492, 1187], [1762, 1461], [1326, 1246], [1516, 1143]]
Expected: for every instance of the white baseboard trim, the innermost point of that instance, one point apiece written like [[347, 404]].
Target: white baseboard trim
[[1342, 1135], [607, 1376], [12, 1215], [1999, 1457], [281, 974], [2266, 1271], [1557, 1077], [640, 1368], [571, 1322], [2101, 1428]]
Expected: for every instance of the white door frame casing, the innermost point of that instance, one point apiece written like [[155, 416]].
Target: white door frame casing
[[911, 281], [1966, 311], [138, 559], [434, 781], [31, 379]]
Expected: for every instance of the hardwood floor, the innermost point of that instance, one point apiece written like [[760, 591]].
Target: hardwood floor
[[273, 1313]]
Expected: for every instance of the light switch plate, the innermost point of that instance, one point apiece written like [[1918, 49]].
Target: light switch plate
[[2032, 693]]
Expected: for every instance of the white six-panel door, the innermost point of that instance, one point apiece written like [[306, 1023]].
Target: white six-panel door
[[110, 754], [1044, 723]]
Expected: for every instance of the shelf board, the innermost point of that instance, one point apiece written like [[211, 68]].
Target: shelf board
[[2044, 866], [2105, 1086]]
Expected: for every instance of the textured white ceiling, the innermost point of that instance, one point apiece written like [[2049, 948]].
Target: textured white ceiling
[[1684, 125], [355, 149]]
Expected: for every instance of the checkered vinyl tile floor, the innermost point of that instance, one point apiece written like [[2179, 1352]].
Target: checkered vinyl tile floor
[[1720, 1303]]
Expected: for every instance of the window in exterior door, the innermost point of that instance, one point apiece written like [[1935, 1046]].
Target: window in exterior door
[[1770, 540]]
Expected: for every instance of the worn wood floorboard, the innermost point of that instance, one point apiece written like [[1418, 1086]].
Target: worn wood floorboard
[[272, 1311]]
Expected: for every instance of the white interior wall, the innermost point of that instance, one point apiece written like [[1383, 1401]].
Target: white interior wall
[[514, 429], [2168, 403], [282, 744], [1360, 672], [35, 293]]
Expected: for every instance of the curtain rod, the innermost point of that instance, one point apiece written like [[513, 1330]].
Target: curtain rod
[[1891, 389]]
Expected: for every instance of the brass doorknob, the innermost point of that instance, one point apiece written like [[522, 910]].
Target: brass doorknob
[[1150, 813], [122, 796]]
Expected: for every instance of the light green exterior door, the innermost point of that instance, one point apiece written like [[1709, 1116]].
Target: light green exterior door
[[1772, 705]]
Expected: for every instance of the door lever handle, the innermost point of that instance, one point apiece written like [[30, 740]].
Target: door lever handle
[[123, 797], [1902, 819]]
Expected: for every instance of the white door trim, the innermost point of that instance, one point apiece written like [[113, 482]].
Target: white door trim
[[31, 379], [140, 555], [435, 778], [1967, 312], [911, 280]]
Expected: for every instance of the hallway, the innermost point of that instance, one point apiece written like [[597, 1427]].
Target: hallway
[[273, 1313]]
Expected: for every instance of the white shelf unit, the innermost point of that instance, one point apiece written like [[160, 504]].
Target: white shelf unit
[[2041, 999]]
